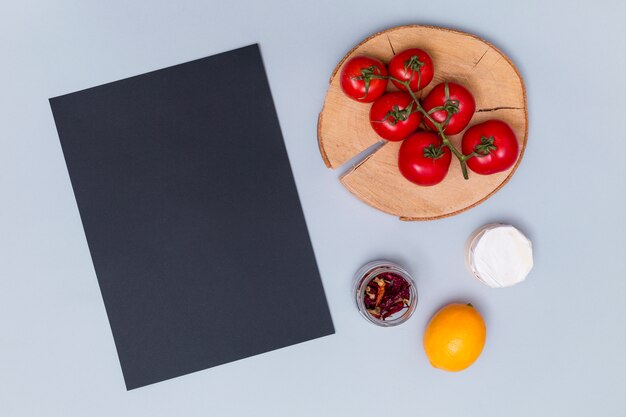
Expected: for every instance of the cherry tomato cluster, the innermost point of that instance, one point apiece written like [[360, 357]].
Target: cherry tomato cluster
[[424, 125]]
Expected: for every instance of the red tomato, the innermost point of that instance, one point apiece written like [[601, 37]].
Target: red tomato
[[494, 144], [358, 78], [423, 160], [449, 100], [394, 117], [414, 65]]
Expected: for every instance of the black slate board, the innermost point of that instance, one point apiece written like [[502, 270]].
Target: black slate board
[[192, 216]]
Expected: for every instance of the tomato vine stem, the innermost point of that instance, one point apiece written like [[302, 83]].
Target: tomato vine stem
[[440, 126]]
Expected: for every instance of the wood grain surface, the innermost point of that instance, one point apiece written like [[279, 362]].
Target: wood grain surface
[[344, 130]]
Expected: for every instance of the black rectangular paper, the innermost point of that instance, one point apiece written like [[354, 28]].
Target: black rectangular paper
[[192, 216]]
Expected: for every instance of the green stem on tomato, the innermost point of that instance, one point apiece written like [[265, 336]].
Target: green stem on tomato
[[459, 155], [440, 129], [462, 158]]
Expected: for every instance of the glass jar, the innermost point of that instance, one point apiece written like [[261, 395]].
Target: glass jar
[[370, 271]]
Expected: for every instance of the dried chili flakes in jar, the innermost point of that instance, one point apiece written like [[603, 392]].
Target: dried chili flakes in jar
[[385, 292]]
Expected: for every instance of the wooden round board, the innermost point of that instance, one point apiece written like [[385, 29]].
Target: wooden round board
[[344, 131]]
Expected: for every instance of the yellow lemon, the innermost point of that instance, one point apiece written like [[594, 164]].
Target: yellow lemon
[[455, 337]]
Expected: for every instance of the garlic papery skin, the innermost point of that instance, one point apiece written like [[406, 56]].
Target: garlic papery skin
[[499, 255]]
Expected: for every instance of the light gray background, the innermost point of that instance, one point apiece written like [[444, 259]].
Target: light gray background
[[555, 343]]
